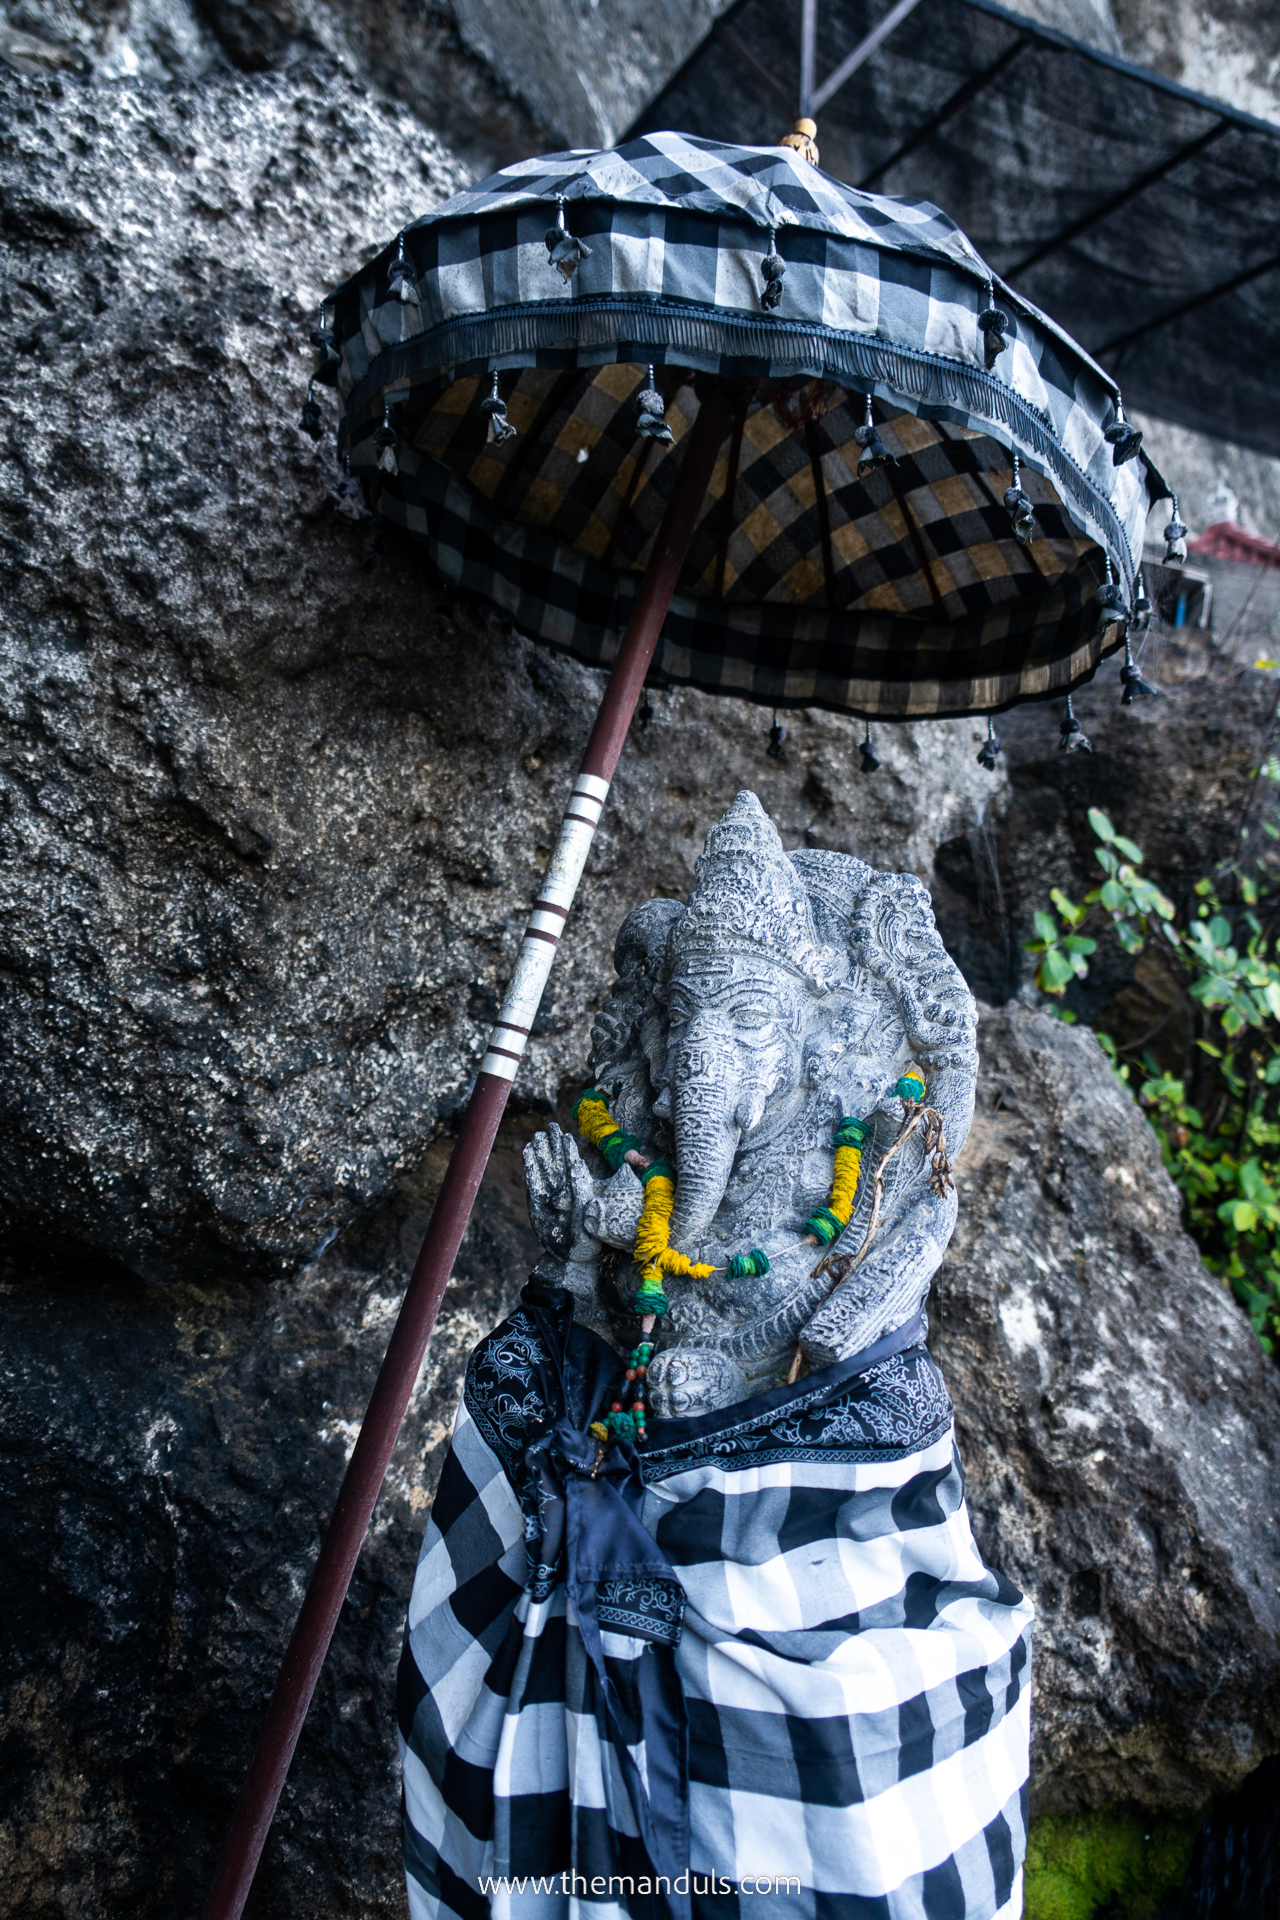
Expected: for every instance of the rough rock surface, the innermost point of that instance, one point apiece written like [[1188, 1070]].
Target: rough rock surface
[[169, 1459], [170, 1455], [1174, 773], [1120, 1430], [273, 807]]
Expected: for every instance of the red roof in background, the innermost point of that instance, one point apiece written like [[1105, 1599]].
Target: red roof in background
[[1226, 541]]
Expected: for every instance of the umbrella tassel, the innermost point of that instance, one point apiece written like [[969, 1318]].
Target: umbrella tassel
[[400, 282], [867, 753], [992, 747], [1121, 436], [386, 440], [310, 420], [777, 734], [993, 325], [874, 452], [325, 344], [565, 251], [1018, 506], [1073, 739], [772, 267], [651, 421], [500, 428], [1109, 601], [349, 500], [1135, 687], [1175, 537], [1140, 613]]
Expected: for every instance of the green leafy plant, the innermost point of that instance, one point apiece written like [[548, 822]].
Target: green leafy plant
[[1218, 1121]]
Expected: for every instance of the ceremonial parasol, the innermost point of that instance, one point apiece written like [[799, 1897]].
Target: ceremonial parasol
[[701, 409]]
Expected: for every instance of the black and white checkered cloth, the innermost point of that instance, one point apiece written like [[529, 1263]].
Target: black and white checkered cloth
[[881, 295], [810, 1686]]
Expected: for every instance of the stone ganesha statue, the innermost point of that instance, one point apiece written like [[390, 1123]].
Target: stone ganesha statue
[[791, 991]]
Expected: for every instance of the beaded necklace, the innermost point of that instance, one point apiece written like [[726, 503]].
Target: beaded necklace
[[654, 1254]]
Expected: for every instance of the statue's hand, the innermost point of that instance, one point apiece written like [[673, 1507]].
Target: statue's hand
[[559, 1189], [889, 1286], [614, 1214]]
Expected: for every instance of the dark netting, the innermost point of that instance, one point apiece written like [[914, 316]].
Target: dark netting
[[1027, 138]]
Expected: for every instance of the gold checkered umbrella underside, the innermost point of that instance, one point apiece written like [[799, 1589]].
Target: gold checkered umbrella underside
[[899, 594]]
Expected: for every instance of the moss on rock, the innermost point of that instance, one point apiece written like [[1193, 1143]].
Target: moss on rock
[[1118, 1860]]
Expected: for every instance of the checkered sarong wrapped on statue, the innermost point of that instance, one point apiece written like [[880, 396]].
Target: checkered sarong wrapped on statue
[[766, 1650]]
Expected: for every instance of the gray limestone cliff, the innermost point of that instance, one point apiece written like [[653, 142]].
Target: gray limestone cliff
[[272, 808]]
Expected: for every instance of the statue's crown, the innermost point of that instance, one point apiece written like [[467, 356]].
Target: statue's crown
[[748, 894]]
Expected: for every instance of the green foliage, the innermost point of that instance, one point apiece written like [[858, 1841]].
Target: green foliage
[[1116, 1860], [1220, 1137]]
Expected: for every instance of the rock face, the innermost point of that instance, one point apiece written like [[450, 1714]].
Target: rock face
[[273, 808], [1174, 773], [1120, 1431], [170, 1457]]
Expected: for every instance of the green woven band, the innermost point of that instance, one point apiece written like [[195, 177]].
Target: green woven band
[[654, 1168], [616, 1145], [824, 1226], [748, 1266], [650, 1300], [851, 1133]]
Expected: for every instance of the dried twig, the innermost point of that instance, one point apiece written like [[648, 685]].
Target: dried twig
[[934, 1140]]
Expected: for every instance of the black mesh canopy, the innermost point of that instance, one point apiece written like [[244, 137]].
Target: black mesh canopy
[[1144, 217]]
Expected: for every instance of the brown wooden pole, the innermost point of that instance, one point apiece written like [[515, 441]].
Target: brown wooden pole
[[367, 1467]]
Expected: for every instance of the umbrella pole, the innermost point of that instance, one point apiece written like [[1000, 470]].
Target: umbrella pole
[[367, 1467]]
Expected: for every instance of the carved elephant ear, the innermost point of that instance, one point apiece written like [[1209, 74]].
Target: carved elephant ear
[[642, 939], [886, 920], [892, 933], [617, 1053], [833, 882]]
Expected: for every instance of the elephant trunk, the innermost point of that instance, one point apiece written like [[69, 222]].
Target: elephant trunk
[[707, 1134]]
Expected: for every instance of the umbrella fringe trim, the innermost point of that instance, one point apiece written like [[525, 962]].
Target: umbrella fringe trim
[[906, 372]]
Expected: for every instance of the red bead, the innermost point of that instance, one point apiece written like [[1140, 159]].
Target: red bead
[[637, 1406], [643, 1373], [631, 1373], [615, 1406]]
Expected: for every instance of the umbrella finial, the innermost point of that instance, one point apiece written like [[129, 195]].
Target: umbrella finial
[[310, 421], [500, 428], [773, 266], [564, 250], [1019, 507], [874, 454], [803, 139], [993, 325], [1122, 438], [385, 440], [1175, 537], [1074, 739], [651, 424], [992, 747], [869, 757]]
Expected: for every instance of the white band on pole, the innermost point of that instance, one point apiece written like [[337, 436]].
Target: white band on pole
[[510, 1035]]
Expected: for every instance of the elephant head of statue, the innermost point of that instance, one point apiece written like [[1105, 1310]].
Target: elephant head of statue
[[790, 991]]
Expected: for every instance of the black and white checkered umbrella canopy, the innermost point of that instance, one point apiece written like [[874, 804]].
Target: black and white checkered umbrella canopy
[[951, 566]]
